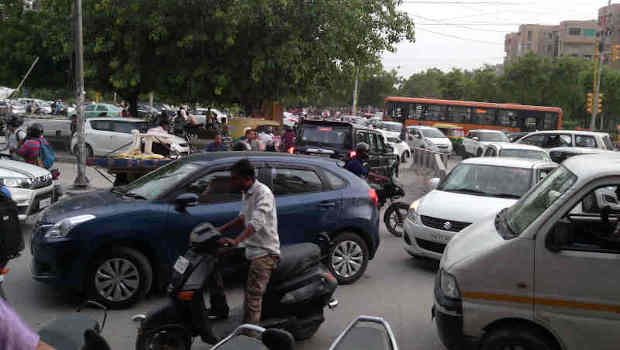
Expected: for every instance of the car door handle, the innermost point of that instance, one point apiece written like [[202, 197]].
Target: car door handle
[[327, 204]]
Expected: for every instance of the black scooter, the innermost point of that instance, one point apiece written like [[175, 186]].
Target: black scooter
[[296, 296], [76, 332]]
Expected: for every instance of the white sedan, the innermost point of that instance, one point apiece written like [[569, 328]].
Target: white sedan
[[401, 148], [106, 136], [515, 150]]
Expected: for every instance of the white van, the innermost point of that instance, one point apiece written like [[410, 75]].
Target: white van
[[542, 274]]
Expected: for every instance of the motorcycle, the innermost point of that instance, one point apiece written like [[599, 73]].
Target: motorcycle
[[76, 332], [395, 214], [365, 332], [298, 291]]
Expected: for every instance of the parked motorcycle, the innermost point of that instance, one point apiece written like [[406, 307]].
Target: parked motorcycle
[[395, 214], [365, 332], [76, 332], [297, 293]]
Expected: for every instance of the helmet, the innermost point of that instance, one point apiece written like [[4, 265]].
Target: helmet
[[362, 150], [241, 146], [15, 121], [35, 130]]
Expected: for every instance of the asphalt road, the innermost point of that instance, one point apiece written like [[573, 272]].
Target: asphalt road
[[395, 287]]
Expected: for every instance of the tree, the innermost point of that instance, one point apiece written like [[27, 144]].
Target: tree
[[424, 84]]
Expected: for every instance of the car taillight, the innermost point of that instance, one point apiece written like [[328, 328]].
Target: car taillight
[[373, 197], [352, 154], [186, 296], [291, 150], [55, 174]]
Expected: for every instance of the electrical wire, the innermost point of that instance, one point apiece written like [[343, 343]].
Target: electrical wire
[[460, 38]]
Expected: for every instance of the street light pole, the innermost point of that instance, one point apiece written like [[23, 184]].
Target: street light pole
[[81, 181], [597, 74]]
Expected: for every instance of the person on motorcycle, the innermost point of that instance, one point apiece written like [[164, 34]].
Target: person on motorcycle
[[31, 148], [259, 237], [15, 334], [355, 163], [16, 135]]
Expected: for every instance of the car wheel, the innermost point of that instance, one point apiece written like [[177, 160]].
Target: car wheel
[[517, 338], [120, 277], [348, 257]]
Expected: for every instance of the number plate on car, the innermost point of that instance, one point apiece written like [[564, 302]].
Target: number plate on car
[[44, 203], [181, 265]]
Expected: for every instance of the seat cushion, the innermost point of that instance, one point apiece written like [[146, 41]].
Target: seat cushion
[[295, 259]]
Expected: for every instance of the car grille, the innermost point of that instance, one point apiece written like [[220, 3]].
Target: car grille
[[432, 246], [42, 181], [443, 224]]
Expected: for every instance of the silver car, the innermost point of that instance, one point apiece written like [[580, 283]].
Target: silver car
[[473, 190]]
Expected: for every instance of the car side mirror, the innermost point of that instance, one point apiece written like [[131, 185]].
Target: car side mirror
[[434, 182], [186, 200], [475, 138]]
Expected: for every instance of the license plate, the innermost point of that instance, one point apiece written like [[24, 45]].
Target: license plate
[[44, 203], [181, 265]]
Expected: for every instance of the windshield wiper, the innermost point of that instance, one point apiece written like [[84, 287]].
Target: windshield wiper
[[468, 190], [118, 190], [505, 195], [134, 195]]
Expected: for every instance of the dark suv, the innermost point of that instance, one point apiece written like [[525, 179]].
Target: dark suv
[[337, 139]]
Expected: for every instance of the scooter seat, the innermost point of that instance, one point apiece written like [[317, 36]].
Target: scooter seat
[[295, 259]]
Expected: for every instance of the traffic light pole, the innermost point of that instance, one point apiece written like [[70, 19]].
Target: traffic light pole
[[81, 181], [599, 68]]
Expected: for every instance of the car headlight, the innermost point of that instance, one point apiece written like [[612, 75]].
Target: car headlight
[[17, 182], [63, 227], [412, 214], [448, 284]]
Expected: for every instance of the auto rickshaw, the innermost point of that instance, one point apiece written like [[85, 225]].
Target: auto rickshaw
[[237, 126], [455, 133]]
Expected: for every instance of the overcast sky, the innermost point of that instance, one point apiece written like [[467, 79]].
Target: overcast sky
[[470, 33]]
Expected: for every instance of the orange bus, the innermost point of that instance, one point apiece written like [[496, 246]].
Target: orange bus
[[472, 115]]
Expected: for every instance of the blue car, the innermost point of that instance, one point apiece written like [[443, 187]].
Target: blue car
[[115, 245]]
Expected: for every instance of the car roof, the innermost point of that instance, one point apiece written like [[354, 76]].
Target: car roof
[[582, 150], [273, 156], [488, 130], [337, 123], [393, 123], [573, 132], [421, 127], [117, 119], [507, 162], [594, 165], [505, 145]]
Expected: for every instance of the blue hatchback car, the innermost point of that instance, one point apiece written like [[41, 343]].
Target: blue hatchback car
[[115, 245]]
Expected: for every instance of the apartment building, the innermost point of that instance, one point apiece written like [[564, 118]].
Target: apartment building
[[569, 38]]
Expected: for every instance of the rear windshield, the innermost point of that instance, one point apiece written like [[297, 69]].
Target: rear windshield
[[392, 127], [493, 137], [433, 133], [328, 135], [524, 153]]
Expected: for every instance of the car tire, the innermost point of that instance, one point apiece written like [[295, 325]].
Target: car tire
[[348, 252], [519, 337], [136, 270]]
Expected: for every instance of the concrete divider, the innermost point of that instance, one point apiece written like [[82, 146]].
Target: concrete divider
[[431, 162]]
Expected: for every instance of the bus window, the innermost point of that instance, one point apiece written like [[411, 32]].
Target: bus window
[[484, 116], [458, 114], [551, 121], [435, 112], [507, 118]]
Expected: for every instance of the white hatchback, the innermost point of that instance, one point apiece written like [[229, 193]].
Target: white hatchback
[[105, 136], [474, 189]]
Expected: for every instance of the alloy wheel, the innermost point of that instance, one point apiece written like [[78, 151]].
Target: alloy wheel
[[117, 279], [397, 220], [347, 258]]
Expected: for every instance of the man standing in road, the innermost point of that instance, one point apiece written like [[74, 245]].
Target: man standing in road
[[260, 237], [216, 145]]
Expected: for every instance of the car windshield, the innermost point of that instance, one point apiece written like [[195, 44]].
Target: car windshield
[[328, 135], [395, 127], [433, 134], [524, 153], [493, 137], [488, 180], [530, 207], [157, 182]]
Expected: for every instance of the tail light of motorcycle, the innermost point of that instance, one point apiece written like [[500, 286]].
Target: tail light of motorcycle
[[55, 174], [186, 295], [373, 197], [291, 150], [352, 154]]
